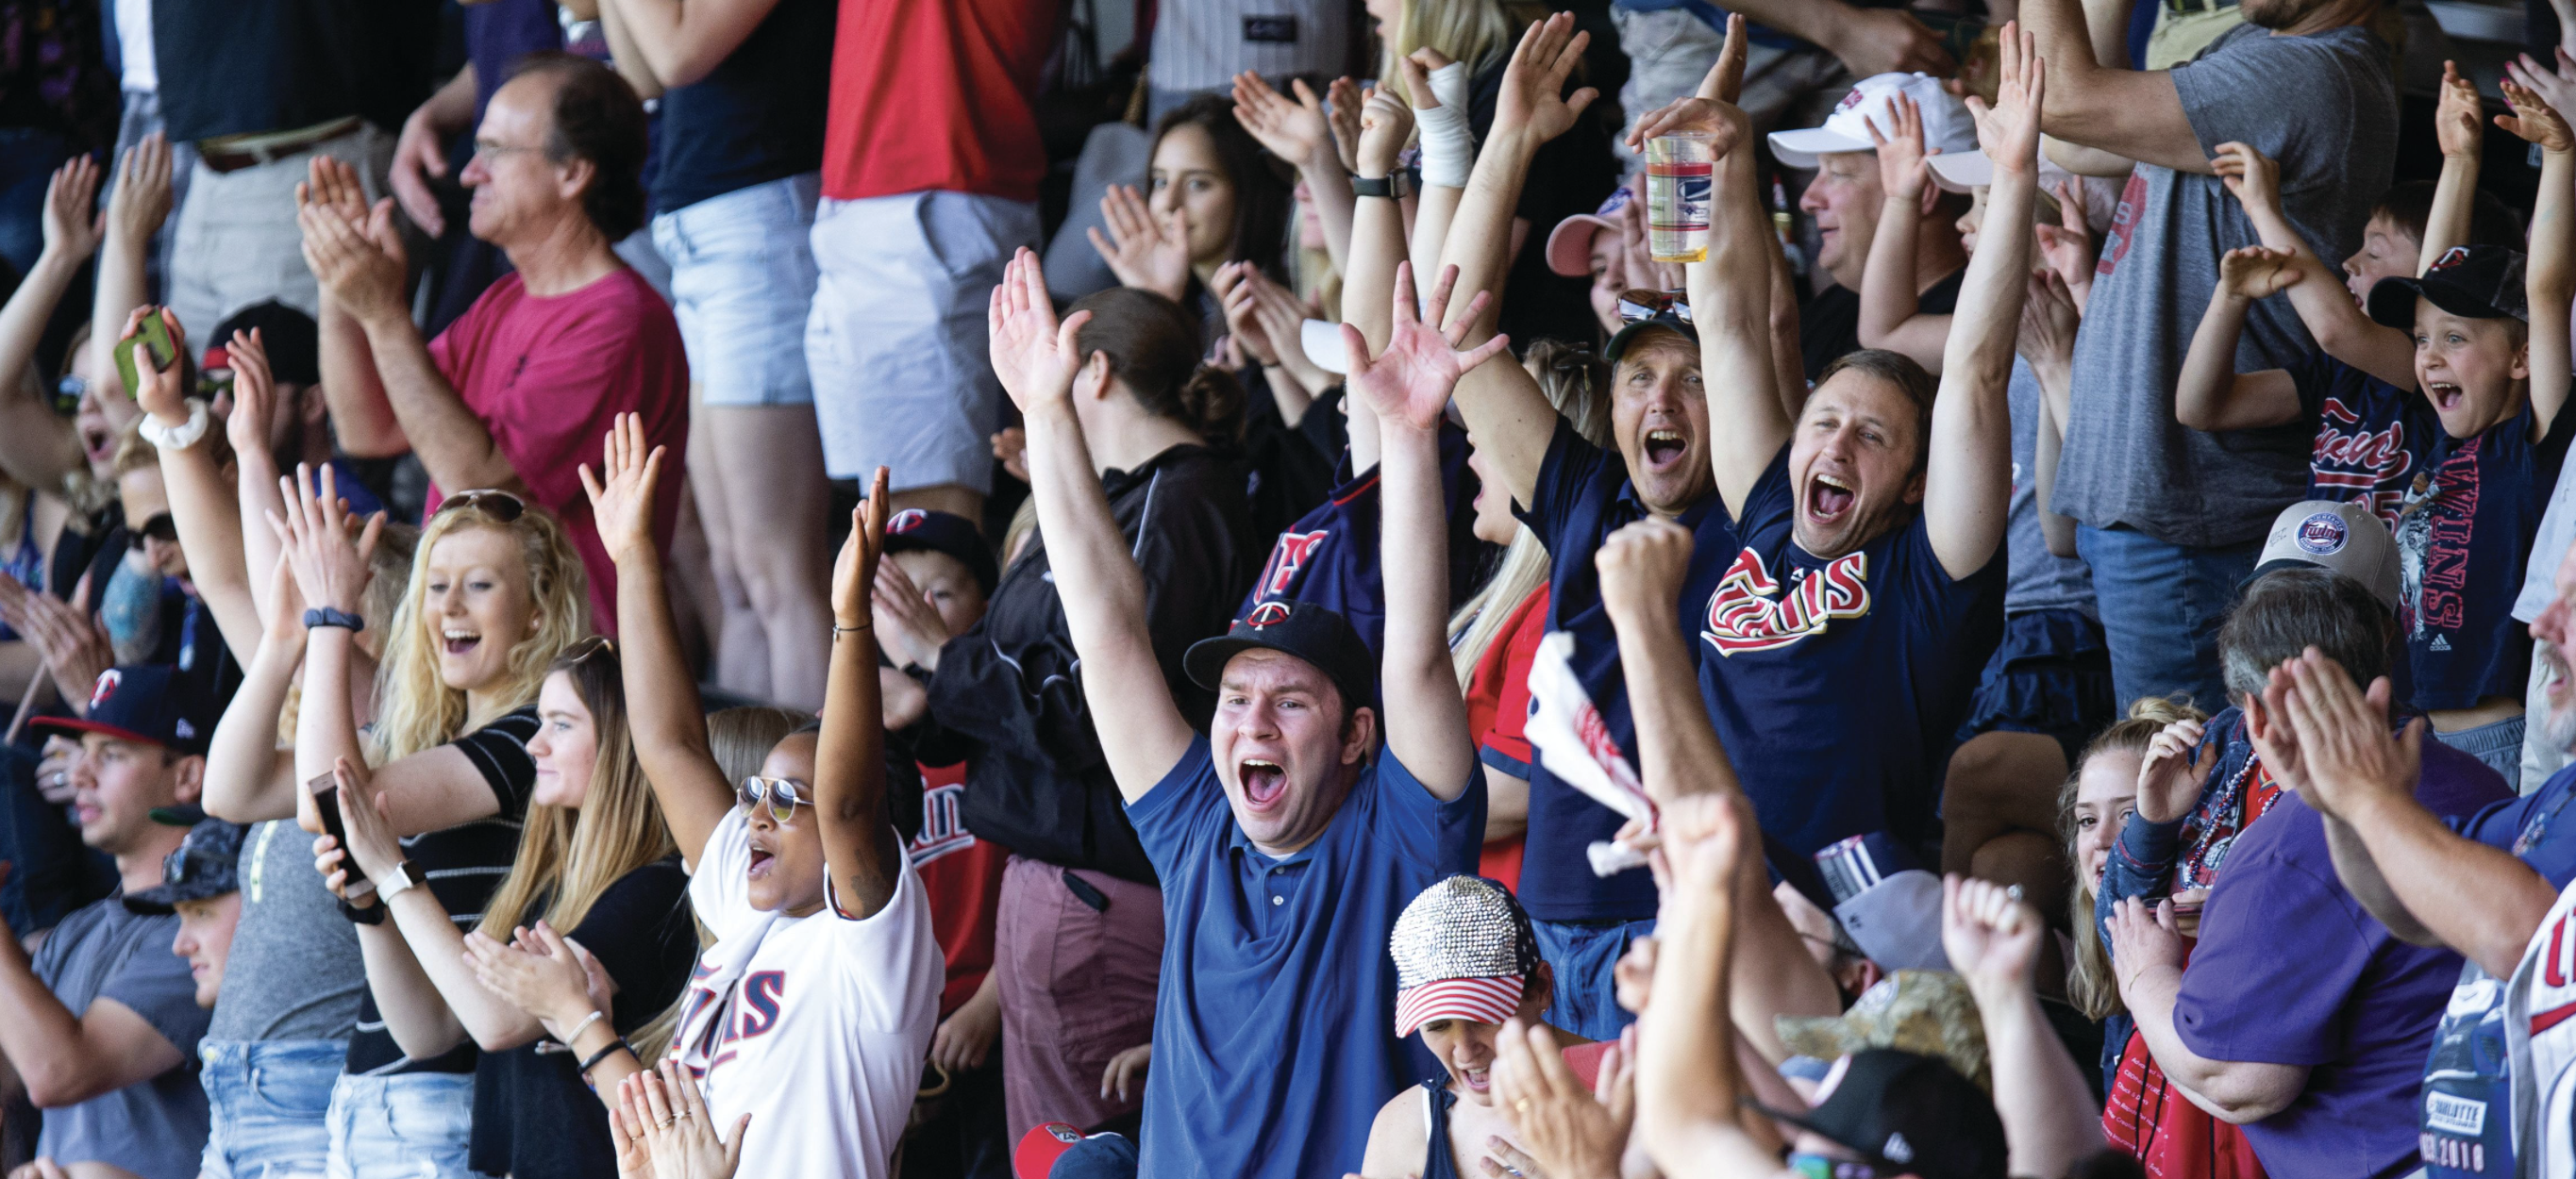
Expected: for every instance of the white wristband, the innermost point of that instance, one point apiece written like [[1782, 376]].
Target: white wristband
[[1449, 84], [181, 436], [1448, 145]]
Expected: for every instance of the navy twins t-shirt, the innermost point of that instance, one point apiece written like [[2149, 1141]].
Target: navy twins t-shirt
[[2371, 436], [1837, 685], [2464, 533], [1583, 495], [1330, 556]]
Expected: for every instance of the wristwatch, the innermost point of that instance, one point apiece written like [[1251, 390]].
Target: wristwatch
[[396, 882], [373, 914], [322, 616]]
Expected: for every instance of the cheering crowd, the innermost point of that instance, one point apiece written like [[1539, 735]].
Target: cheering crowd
[[631, 601]]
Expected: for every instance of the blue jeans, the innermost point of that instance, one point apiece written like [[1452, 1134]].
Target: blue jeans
[[2161, 605], [412, 1126], [269, 1098], [1583, 955]]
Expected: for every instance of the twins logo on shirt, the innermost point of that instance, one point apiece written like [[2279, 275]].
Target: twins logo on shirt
[[1287, 557], [943, 829], [1750, 613], [2357, 463], [2124, 224]]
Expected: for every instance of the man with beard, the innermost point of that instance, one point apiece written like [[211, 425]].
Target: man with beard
[[2480, 885]]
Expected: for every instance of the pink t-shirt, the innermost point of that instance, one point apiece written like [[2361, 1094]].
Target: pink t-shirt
[[548, 375]]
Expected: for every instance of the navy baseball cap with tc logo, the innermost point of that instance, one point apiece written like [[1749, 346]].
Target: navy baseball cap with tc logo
[[1310, 632]]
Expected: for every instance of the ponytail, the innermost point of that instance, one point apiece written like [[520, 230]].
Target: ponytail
[[1211, 402], [1154, 348]]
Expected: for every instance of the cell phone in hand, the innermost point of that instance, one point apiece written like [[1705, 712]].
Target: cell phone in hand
[[152, 336], [326, 798]]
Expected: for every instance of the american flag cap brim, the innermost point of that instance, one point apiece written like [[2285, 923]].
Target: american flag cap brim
[[1483, 1000]]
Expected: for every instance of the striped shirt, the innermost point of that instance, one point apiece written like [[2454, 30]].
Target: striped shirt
[[1202, 44]]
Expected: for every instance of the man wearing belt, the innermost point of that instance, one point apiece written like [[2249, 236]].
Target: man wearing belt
[[259, 87]]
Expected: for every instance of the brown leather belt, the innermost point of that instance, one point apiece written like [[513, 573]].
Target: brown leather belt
[[2188, 7], [232, 153]]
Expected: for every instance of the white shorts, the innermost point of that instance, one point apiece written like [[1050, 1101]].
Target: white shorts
[[897, 341], [742, 286]]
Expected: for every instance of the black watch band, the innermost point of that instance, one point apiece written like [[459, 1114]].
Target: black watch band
[[1373, 186], [326, 616], [367, 915]]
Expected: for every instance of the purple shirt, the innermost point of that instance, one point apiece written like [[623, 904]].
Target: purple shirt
[[2291, 970]]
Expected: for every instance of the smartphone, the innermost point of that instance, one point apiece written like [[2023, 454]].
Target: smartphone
[[326, 798], [153, 337]]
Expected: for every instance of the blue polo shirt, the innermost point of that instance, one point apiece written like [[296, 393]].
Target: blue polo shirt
[[1274, 1021], [1582, 496]]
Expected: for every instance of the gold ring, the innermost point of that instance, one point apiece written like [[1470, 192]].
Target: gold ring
[[1521, 1105], [666, 1122]]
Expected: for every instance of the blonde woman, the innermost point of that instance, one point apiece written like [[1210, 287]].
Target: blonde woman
[[2096, 799]]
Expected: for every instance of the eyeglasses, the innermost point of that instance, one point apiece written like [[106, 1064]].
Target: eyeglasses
[[487, 151], [500, 505], [780, 795], [1639, 305], [160, 527]]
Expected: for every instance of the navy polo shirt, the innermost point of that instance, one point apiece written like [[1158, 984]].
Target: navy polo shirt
[[1582, 496], [1274, 1020]]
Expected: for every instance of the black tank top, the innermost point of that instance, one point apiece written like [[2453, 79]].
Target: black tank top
[[1437, 1160]]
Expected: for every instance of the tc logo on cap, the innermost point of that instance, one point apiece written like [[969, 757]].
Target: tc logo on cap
[[2323, 534], [1063, 1133], [2450, 258], [1850, 100], [1266, 614], [906, 520], [105, 687]]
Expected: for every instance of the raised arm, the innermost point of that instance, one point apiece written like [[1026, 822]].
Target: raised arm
[[1296, 131], [2550, 272], [1102, 590], [1377, 248], [37, 446], [1408, 384], [255, 472], [2460, 130], [1730, 296], [362, 416], [1889, 304], [860, 851], [2316, 289], [1992, 938], [662, 707], [135, 212], [2049, 317], [682, 41], [248, 778], [2211, 394], [201, 502], [2132, 113], [1967, 490]]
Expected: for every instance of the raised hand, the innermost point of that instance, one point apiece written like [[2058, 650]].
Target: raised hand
[[1726, 123], [330, 562], [2170, 777], [1034, 355], [1385, 124], [2257, 272], [359, 262], [2535, 120], [1991, 936], [1146, 250], [1533, 97], [1642, 568], [2459, 116], [1725, 80], [2008, 130], [854, 572], [334, 185], [2067, 246], [1573, 1132], [284, 624], [254, 393], [909, 628], [141, 200], [2253, 178], [1343, 101], [1294, 131], [621, 496], [72, 230], [162, 393], [1890, 41], [2347, 755], [1409, 383], [2556, 86], [1901, 170], [2048, 321]]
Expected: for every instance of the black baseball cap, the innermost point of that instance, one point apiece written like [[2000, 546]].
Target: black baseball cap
[[289, 336], [1671, 319], [147, 703], [203, 868], [2479, 282], [1907, 1114], [1310, 632], [921, 530]]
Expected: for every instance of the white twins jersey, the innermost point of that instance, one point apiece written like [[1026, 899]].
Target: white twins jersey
[[816, 1026]]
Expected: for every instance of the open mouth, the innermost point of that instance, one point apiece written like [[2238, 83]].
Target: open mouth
[[1263, 782], [2445, 397], [459, 642], [98, 442], [1664, 447], [762, 861], [1829, 499], [1478, 1079]]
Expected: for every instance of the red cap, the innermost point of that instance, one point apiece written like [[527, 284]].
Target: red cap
[[1041, 1147]]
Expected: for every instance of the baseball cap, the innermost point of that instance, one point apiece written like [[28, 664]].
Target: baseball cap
[[1060, 1150], [1971, 169], [148, 703], [1884, 899], [1463, 949], [1906, 1114], [1569, 245], [1947, 126], [1925, 1012], [2480, 282], [288, 335], [202, 868], [1310, 632], [921, 530], [2342, 537]]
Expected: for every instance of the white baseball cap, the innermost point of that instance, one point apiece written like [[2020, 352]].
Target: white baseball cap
[[1971, 170], [2340, 537], [1947, 126]]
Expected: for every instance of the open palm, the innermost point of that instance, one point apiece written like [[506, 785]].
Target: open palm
[[621, 494], [2535, 120], [1292, 129], [1533, 94], [1032, 353], [1410, 381], [1146, 250], [2008, 129]]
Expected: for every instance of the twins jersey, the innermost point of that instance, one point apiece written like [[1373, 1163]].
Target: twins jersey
[[816, 1026], [2543, 1044]]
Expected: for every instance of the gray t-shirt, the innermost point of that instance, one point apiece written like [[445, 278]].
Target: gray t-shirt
[[2036, 579], [2325, 106], [294, 972], [154, 1128]]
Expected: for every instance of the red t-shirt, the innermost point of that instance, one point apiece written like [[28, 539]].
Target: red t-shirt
[[548, 375], [1498, 712], [937, 94], [961, 876]]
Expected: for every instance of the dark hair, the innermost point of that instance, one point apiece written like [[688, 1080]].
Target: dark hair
[[597, 118], [2287, 611], [290, 337], [1154, 347], [2491, 221], [1262, 191], [1910, 379]]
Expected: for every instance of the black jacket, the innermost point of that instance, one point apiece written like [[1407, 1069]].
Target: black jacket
[[1006, 693]]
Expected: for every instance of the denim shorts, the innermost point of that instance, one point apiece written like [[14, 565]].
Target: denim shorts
[[407, 1126], [1586, 957], [742, 283], [268, 1099]]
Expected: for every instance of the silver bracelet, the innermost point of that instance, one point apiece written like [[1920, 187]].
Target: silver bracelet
[[577, 1029]]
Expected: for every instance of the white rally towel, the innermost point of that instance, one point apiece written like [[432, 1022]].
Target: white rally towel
[[1575, 745], [2540, 1036]]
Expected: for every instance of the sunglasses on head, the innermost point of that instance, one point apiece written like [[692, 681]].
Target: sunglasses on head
[[1639, 305], [587, 648], [500, 505], [159, 527], [780, 795]]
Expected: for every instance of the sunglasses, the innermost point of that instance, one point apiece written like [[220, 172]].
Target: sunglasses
[[588, 647], [1636, 306], [160, 527], [780, 795], [68, 393], [500, 505]]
